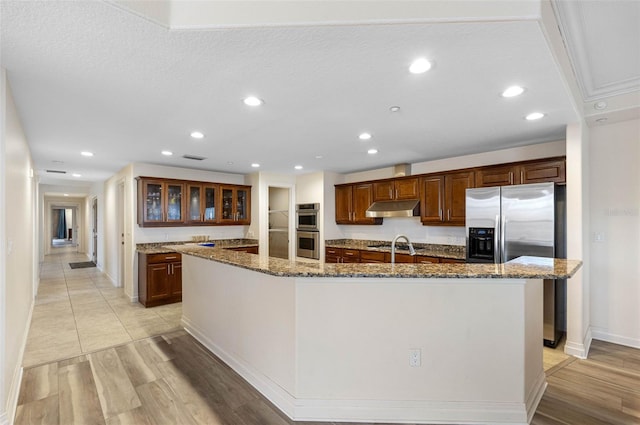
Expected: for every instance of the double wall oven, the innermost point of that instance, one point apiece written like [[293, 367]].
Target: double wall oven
[[307, 231]]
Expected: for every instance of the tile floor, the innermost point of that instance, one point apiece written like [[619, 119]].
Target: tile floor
[[80, 311]]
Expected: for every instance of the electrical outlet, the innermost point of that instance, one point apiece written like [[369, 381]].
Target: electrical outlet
[[415, 357]]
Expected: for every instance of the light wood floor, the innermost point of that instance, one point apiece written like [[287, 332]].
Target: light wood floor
[[79, 311]]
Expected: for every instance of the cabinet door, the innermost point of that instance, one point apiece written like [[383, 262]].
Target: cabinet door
[[332, 255], [175, 206], [344, 204], [351, 255], [544, 171], [209, 203], [176, 279], [153, 199], [432, 203], [362, 200], [496, 176], [194, 204], [227, 202], [383, 191], [159, 284], [407, 189], [420, 259], [455, 200], [242, 205]]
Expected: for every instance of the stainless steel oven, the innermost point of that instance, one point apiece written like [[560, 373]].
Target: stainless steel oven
[[307, 216], [308, 244]]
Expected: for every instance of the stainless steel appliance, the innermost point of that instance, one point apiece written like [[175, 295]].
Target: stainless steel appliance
[[308, 244], [307, 216], [506, 222]]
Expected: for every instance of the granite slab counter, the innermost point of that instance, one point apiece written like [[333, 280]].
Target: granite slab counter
[[454, 252], [168, 247], [521, 268]]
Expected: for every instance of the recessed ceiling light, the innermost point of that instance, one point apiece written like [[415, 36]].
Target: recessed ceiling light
[[65, 194], [513, 91], [167, 153], [197, 135], [365, 136], [394, 109], [229, 162], [420, 66], [318, 156], [253, 101], [76, 175], [255, 165], [86, 153], [534, 116], [298, 167], [372, 151]]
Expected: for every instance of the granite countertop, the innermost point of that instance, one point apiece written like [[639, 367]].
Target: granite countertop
[[455, 252], [168, 247], [521, 268]]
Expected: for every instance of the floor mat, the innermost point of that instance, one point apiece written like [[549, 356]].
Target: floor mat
[[82, 265]]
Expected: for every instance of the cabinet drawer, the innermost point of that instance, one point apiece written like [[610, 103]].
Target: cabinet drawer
[[400, 258], [351, 255], [371, 257], [424, 260], [452, 261], [333, 252], [164, 258]]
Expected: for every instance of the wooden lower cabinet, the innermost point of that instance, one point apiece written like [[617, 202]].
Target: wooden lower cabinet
[[344, 255], [159, 278], [247, 249]]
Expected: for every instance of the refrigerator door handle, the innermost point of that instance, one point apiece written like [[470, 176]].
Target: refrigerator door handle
[[503, 231], [496, 241]]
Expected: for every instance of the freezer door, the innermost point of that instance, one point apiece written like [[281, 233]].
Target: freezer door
[[527, 221], [483, 211]]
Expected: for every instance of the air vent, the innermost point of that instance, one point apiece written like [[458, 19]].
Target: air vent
[[194, 157], [56, 172]]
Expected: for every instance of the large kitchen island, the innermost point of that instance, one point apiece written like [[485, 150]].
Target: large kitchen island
[[414, 343]]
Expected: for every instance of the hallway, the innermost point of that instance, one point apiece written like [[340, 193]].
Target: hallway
[[80, 311]]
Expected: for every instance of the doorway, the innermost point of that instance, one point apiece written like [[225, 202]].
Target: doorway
[[120, 226], [279, 222], [64, 227]]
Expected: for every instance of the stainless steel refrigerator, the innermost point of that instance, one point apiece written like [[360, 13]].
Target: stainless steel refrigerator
[[503, 223]]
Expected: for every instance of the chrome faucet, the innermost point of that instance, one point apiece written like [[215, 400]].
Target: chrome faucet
[[393, 247]]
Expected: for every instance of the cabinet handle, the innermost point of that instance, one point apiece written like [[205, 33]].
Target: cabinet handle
[[170, 258], [510, 177], [521, 176], [396, 193], [390, 193], [449, 214], [440, 214]]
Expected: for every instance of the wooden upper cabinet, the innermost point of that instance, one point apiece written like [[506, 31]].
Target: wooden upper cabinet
[[160, 202], [344, 204], [389, 190], [234, 204], [497, 176], [443, 199], [543, 171], [432, 200], [352, 202], [201, 203], [456, 186]]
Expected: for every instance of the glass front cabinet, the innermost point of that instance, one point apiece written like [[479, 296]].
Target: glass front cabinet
[[164, 202], [235, 204]]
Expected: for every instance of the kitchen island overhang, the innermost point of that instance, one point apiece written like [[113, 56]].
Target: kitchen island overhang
[[334, 345]]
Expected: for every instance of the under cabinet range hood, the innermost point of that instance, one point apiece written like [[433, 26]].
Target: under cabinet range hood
[[404, 208]]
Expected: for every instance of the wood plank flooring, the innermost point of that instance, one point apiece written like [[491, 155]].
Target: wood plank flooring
[[172, 379]]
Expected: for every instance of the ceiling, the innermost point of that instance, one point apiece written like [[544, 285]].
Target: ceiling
[[103, 77]]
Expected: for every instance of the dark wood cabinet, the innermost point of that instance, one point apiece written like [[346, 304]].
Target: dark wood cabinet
[[169, 202], [333, 255], [347, 255], [234, 205], [352, 202], [497, 176], [201, 203], [543, 171], [247, 249], [372, 257], [160, 202], [420, 259], [443, 199], [159, 278], [397, 189]]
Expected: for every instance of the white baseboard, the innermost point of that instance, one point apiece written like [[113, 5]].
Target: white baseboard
[[602, 334], [16, 379], [399, 411], [581, 349]]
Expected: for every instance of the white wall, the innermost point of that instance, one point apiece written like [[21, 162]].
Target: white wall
[[17, 249], [614, 174], [448, 235]]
